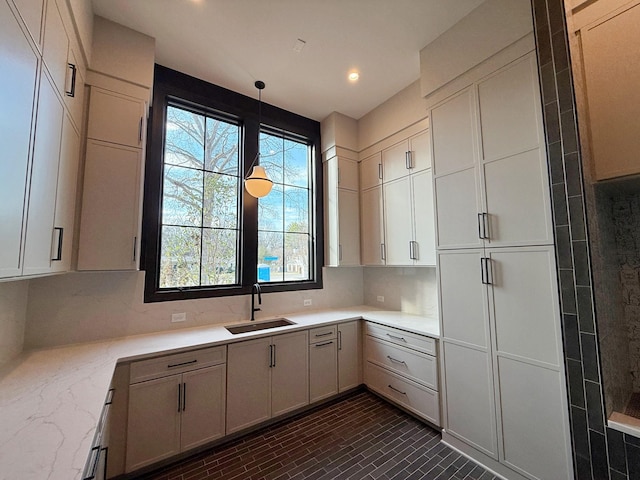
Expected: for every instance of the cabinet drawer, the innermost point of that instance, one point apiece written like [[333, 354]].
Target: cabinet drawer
[[417, 366], [400, 337], [180, 362], [420, 400], [320, 334]]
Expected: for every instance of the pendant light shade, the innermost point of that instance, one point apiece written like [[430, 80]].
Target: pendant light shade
[[258, 183]]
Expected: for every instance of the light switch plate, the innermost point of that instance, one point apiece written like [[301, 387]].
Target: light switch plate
[[178, 317], [307, 302], [380, 298]]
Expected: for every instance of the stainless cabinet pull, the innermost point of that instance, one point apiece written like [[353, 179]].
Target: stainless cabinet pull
[[184, 397], [274, 355], [109, 399], [95, 457], [396, 338], [485, 226], [323, 344], [486, 271], [396, 390], [270, 356], [140, 130], [380, 171], [340, 252], [382, 252], [339, 177], [135, 244], [395, 360], [480, 234], [339, 340], [323, 334], [72, 91], [413, 250], [58, 256], [179, 397], [482, 273], [408, 161], [174, 365]]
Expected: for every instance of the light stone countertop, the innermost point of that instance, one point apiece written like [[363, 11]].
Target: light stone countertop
[[51, 400]]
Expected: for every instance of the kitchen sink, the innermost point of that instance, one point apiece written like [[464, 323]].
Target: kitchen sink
[[256, 326]]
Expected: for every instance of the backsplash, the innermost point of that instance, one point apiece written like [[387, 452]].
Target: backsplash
[[410, 289], [626, 216], [13, 309], [81, 307]]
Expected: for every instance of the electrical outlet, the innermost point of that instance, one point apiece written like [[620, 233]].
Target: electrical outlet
[[178, 317], [307, 302], [380, 298]]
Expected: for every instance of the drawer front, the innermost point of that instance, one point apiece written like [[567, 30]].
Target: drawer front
[[321, 334], [420, 400], [417, 366], [400, 337], [178, 363]]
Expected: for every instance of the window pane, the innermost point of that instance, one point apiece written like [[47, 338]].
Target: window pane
[[271, 156], [296, 212], [182, 196], [180, 257], [222, 147], [270, 257], [296, 164], [220, 208], [184, 140], [271, 210], [219, 257], [296, 255]]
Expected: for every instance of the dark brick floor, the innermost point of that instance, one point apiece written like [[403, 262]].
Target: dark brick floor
[[360, 437]]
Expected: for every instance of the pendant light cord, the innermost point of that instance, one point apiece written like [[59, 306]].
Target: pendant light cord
[[260, 86]]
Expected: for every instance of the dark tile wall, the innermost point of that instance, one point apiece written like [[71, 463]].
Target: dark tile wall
[[599, 452]]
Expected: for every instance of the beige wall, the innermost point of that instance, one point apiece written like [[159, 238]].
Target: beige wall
[[13, 309], [81, 307]]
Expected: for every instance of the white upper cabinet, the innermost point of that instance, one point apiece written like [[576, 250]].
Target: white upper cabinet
[[372, 227], [17, 91], [56, 46], [342, 212], [492, 189], [409, 156], [424, 235], [116, 118], [31, 13], [44, 178], [371, 171]]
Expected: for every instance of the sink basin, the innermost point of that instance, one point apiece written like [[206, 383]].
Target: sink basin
[[255, 326]]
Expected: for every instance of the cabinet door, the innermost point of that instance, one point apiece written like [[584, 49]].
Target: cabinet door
[[56, 46], [323, 370], [347, 174], [203, 412], [420, 148], [110, 208], [66, 197], [349, 227], [249, 384], [470, 405], [394, 161], [371, 227], [153, 430], [349, 356], [612, 75], [290, 372], [31, 13], [423, 218], [116, 118], [44, 179], [17, 90], [371, 171], [398, 229]]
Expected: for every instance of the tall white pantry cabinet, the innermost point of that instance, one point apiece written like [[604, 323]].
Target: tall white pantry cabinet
[[503, 375]]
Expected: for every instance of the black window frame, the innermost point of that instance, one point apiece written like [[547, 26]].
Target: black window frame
[[176, 88]]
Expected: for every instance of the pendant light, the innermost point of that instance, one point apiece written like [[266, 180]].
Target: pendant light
[[258, 184]]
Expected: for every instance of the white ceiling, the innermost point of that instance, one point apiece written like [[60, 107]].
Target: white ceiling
[[232, 43]]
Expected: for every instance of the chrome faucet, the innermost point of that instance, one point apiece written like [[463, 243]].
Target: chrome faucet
[[255, 288]]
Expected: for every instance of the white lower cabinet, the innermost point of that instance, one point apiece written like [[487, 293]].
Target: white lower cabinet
[[349, 355], [175, 412], [402, 367], [323, 363], [267, 377]]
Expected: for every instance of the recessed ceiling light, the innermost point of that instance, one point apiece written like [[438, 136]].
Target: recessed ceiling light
[[353, 76]]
